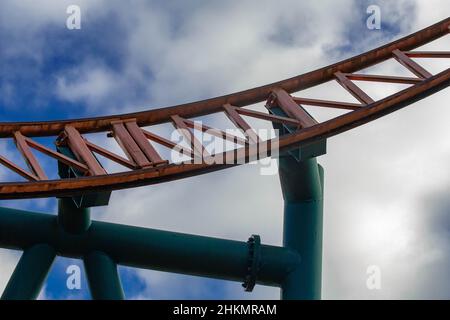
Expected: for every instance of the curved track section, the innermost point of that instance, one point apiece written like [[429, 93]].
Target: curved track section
[[144, 165]]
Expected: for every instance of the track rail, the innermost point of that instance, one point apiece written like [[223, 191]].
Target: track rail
[[146, 166]]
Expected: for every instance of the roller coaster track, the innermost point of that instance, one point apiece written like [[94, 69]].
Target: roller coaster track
[[145, 166]]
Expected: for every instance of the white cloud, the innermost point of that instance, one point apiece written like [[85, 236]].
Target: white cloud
[[8, 260], [91, 85]]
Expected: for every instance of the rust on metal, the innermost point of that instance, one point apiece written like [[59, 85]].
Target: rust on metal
[[174, 172], [77, 145], [428, 54], [293, 109], [353, 89], [128, 145], [30, 159], [239, 99], [215, 132], [268, 117], [128, 129], [381, 78], [13, 167], [110, 155], [239, 122], [143, 143], [327, 103], [56, 155], [168, 143], [184, 130], [410, 64]]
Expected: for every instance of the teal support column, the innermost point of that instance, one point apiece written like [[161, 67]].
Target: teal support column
[[101, 270], [30, 273], [302, 186], [103, 278], [72, 219]]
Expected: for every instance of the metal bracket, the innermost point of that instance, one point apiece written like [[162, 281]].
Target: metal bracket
[[254, 259], [308, 151], [100, 198]]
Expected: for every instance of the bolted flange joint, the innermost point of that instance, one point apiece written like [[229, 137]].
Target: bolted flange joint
[[254, 261]]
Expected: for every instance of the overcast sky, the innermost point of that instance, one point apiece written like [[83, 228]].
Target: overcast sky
[[386, 183]]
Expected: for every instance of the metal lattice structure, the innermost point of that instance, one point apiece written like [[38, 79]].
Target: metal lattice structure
[[84, 182]]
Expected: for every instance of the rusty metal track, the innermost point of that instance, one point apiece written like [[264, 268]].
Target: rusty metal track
[[148, 166]]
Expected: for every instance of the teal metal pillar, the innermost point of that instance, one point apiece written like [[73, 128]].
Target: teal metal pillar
[[72, 219], [302, 186], [101, 270], [30, 273], [103, 278]]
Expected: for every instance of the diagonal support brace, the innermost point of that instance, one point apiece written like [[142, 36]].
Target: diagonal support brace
[[30, 273]]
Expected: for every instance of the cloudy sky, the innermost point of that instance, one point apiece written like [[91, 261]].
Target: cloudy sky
[[386, 183]]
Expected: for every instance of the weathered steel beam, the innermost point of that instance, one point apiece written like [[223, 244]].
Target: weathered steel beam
[[293, 109], [14, 167], [328, 103], [195, 144], [129, 145], [268, 117], [173, 172], [239, 99], [28, 156], [143, 143], [353, 89], [215, 132], [381, 78], [110, 155], [56, 155], [239, 122], [78, 146], [411, 65], [168, 143], [428, 54]]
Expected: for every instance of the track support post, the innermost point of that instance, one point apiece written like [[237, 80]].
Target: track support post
[[101, 270], [72, 219], [302, 187]]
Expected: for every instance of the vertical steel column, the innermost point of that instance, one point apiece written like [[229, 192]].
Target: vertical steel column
[[302, 186], [30, 273], [103, 278], [101, 270], [72, 219]]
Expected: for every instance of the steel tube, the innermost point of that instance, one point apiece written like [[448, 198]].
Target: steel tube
[[103, 278], [29, 276], [72, 219], [147, 248], [302, 186]]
